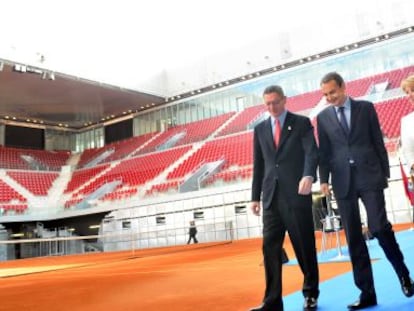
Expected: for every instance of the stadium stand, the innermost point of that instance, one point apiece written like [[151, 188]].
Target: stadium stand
[[8, 194], [225, 148], [27, 159], [36, 182], [187, 133], [139, 160]]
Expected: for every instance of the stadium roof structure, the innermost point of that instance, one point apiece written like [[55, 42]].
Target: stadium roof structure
[[75, 64], [34, 96]]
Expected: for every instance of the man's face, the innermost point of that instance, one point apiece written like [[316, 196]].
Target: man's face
[[334, 94], [275, 103], [410, 93]]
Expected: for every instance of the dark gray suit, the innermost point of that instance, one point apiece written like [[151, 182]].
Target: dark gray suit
[[359, 168], [276, 175]]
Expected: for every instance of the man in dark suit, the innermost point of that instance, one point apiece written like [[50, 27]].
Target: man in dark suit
[[285, 161], [352, 152]]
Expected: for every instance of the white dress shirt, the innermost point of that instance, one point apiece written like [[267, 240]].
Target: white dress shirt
[[407, 138]]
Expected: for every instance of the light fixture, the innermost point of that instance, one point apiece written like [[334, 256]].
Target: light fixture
[[17, 235]]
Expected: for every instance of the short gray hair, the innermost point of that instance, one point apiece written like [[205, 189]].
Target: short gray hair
[[274, 89]]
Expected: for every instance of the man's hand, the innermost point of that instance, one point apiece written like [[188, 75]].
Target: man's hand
[[325, 189], [255, 206], [305, 185]]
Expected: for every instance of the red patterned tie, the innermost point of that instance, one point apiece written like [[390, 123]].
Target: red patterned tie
[[277, 132]]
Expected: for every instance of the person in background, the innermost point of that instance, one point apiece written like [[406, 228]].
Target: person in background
[[192, 232], [353, 154], [284, 168], [407, 125]]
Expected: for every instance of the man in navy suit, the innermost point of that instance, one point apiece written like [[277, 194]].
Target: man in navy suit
[[352, 153], [284, 168]]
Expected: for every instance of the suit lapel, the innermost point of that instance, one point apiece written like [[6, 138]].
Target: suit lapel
[[269, 134], [355, 109], [287, 128]]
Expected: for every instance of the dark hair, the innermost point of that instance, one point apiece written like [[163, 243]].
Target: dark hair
[[274, 89], [333, 76]]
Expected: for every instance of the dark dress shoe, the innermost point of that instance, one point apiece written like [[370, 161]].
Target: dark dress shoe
[[363, 303], [310, 303], [407, 286]]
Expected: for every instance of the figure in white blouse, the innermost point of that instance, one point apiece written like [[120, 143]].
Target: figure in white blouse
[[407, 125]]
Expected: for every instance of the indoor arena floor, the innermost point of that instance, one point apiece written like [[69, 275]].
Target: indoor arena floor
[[204, 276]]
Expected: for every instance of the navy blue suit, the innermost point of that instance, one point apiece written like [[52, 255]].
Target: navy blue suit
[[276, 176], [358, 166]]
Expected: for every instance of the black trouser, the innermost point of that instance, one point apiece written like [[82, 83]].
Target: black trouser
[[192, 237], [378, 225], [298, 221]]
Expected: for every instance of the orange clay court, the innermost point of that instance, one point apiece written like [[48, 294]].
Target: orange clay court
[[204, 276]]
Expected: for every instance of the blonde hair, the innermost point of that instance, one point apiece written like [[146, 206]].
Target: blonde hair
[[408, 82]]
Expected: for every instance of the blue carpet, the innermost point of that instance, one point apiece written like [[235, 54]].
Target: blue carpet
[[337, 293]]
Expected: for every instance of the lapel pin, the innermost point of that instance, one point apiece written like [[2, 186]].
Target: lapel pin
[[289, 128]]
